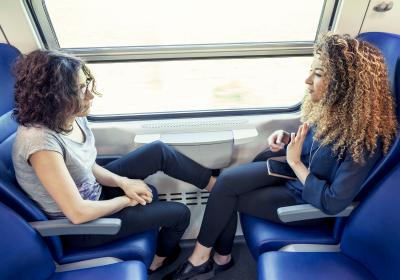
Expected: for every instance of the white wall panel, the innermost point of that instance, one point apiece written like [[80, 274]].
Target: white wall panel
[[382, 21], [349, 17], [16, 24]]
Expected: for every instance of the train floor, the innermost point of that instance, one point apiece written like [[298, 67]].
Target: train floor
[[244, 268]]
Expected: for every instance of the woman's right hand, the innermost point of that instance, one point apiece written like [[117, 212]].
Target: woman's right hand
[[132, 202], [278, 139]]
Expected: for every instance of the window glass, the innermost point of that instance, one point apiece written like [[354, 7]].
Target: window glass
[[101, 23], [187, 85]]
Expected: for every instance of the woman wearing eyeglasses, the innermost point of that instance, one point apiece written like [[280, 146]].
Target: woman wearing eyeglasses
[[54, 159], [348, 124]]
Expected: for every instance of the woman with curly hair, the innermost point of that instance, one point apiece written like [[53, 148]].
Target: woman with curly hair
[[54, 160], [349, 123]]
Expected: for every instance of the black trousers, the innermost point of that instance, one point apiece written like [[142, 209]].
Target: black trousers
[[172, 218], [248, 189]]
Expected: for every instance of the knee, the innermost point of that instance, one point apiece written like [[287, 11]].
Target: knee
[[224, 183], [161, 150], [186, 215], [183, 215], [159, 146]]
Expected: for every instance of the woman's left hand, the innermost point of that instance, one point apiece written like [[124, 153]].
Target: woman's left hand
[[293, 151], [136, 190]]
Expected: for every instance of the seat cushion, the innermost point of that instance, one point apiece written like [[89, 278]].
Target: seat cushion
[[262, 236], [118, 271], [320, 265], [140, 246]]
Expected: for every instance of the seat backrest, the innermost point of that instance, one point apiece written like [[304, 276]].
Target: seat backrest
[[23, 253], [7, 58], [372, 234], [8, 55], [389, 44], [10, 192]]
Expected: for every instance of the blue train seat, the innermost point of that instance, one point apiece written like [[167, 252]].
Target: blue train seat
[[369, 246], [139, 246], [24, 255], [262, 236]]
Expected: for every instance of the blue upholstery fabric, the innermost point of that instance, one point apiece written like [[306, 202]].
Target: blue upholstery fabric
[[22, 251], [7, 58], [305, 266], [372, 234], [24, 255], [140, 246], [254, 229], [263, 236], [124, 270], [389, 44], [369, 246], [137, 247]]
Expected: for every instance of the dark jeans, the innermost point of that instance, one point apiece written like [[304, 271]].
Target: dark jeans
[[172, 217], [248, 189]]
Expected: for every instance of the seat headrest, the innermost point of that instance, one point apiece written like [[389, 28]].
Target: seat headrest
[[8, 55], [389, 45]]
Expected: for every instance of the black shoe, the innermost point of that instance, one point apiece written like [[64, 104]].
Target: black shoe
[[221, 268], [188, 271], [168, 260]]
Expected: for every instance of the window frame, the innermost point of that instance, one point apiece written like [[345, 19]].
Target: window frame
[[40, 18]]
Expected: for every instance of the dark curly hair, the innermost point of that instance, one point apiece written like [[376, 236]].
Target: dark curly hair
[[46, 89], [358, 95]]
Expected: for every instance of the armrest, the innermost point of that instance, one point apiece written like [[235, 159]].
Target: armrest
[[107, 226], [308, 212]]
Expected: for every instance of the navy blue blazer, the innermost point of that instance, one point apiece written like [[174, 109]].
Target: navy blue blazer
[[333, 182]]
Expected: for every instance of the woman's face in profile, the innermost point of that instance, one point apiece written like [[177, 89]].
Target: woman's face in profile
[[85, 85], [316, 81]]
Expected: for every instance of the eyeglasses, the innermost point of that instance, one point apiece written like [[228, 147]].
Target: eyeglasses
[[89, 86]]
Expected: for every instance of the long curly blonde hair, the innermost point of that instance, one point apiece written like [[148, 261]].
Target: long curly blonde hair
[[357, 108]]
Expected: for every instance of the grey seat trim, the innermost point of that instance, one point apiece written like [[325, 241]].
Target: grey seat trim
[[107, 226], [86, 264], [308, 212]]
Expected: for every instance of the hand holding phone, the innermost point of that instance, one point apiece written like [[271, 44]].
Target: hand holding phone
[[278, 139]]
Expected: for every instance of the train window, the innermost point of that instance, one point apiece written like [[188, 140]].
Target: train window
[[186, 85], [186, 55], [92, 23]]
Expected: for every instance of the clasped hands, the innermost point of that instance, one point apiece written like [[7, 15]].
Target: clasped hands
[[136, 190], [280, 138]]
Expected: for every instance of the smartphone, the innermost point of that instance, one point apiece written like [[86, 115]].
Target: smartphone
[[280, 168]]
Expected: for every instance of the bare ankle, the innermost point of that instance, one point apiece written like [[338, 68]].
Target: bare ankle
[[211, 183], [200, 254], [198, 260], [157, 262], [222, 259]]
